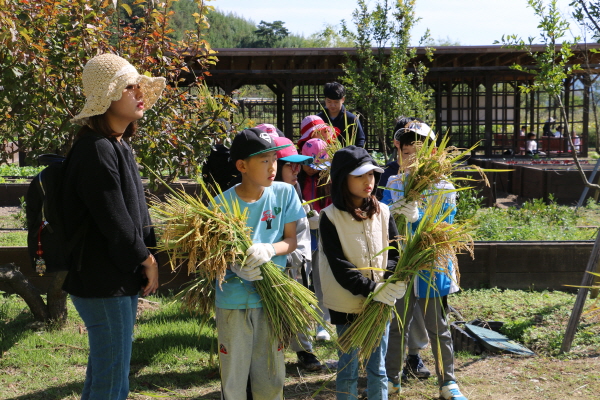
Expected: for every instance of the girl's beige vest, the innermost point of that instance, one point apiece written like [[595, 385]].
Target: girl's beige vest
[[361, 241]]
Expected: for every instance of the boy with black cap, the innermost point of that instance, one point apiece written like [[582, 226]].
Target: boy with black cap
[[245, 341], [336, 114]]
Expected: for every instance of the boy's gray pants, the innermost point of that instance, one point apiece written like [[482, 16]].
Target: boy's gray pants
[[436, 325], [245, 349], [417, 334]]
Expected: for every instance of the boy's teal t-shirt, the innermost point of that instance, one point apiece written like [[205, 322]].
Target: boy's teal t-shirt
[[278, 205]]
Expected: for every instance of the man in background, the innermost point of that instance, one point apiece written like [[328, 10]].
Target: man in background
[[335, 114]]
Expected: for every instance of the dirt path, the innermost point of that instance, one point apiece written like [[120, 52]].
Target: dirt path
[[486, 377]]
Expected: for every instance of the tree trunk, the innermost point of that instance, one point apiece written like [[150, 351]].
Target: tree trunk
[[57, 299], [13, 281]]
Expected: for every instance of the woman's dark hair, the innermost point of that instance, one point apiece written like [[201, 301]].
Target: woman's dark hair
[[323, 191], [279, 177], [369, 208], [99, 124], [334, 91]]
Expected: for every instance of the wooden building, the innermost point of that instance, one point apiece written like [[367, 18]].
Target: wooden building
[[476, 92]]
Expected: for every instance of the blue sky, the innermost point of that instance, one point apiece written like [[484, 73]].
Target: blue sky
[[470, 22]]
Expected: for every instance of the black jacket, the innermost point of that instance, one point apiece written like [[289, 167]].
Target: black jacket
[[103, 189], [346, 119]]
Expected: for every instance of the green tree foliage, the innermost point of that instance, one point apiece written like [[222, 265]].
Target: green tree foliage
[[44, 46], [587, 13], [385, 83], [271, 33], [328, 37], [230, 30]]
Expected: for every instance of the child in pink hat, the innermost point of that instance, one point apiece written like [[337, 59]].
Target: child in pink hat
[[314, 127]]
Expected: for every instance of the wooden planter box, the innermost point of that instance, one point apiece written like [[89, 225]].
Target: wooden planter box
[[509, 265], [525, 265]]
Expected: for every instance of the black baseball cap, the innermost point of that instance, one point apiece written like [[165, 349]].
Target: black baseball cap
[[251, 142]]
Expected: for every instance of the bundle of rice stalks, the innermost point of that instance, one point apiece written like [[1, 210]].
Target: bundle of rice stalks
[[197, 235], [430, 248], [210, 237], [432, 164]]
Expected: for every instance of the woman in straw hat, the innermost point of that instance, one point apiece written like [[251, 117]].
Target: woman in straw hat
[[106, 218]]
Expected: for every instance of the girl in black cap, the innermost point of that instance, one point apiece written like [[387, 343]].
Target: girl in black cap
[[353, 232]]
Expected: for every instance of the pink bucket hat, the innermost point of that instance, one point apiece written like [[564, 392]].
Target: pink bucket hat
[[317, 149], [268, 128], [311, 125]]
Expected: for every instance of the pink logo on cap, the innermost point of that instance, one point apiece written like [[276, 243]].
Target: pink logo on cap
[[315, 148]]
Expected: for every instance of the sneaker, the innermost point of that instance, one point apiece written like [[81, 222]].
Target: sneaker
[[414, 367], [308, 361], [393, 386], [322, 334], [450, 391]]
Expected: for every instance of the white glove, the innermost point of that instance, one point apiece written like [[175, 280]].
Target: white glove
[[389, 293], [247, 273], [258, 254], [313, 221], [409, 209]]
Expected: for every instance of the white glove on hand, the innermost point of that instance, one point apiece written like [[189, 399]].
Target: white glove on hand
[[258, 254], [313, 221], [247, 273], [389, 293], [409, 209]]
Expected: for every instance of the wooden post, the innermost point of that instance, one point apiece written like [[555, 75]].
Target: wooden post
[[581, 296], [288, 102]]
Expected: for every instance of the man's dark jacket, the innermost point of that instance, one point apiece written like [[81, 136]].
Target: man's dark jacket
[[346, 119]]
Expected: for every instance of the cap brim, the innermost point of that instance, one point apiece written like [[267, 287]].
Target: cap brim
[[363, 169], [321, 166], [297, 158], [271, 149], [421, 129]]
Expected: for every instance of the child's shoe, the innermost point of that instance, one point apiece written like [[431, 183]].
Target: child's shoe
[[414, 367], [393, 386], [450, 391], [308, 361], [322, 334]]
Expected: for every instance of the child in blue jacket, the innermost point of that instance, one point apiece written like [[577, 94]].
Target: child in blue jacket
[[432, 301]]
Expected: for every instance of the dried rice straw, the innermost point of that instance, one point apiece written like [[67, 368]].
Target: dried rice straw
[[430, 247], [208, 238]]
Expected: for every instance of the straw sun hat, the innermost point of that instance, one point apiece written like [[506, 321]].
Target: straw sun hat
[[104, 79]]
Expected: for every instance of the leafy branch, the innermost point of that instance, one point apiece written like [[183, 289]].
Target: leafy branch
[[551, 65]]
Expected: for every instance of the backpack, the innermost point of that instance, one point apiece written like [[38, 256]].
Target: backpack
[[47, 246]]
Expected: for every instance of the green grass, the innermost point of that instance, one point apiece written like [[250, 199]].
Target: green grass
[[13, 238], [173, 354], [537, 221], [535, 319], [15, 170]]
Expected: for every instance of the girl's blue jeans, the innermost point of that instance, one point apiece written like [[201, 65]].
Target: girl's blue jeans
[[346, 382], [109, 322]]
